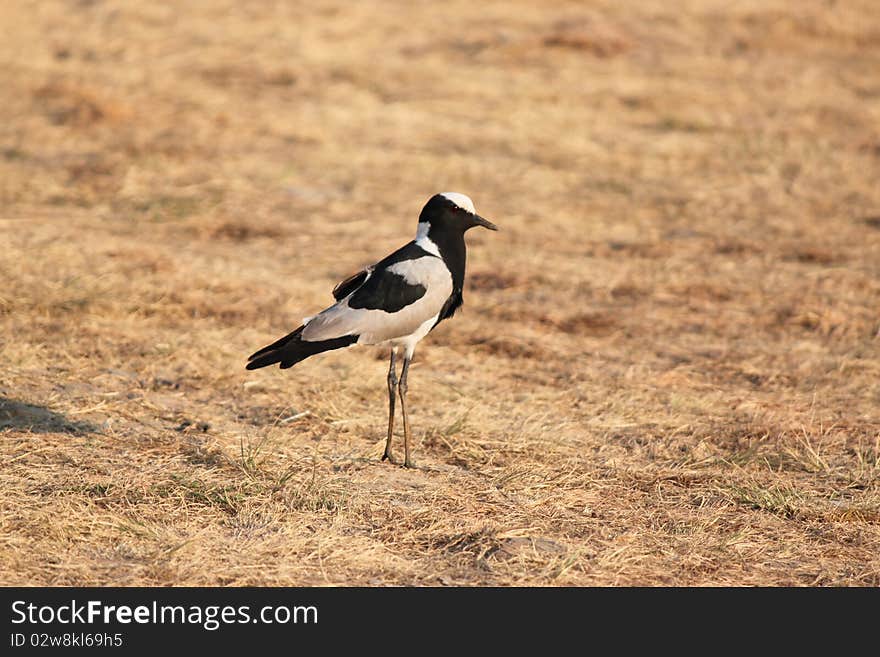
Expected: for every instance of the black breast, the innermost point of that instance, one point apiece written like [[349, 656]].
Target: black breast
[[452, 249]]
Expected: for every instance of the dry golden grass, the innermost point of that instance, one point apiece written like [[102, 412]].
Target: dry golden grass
[[667, 369]]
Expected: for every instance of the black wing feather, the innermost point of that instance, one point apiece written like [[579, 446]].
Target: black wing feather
[[387, 291], [351, 283], [376, 288]]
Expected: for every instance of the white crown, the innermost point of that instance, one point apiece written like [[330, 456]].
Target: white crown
[[461, 201]]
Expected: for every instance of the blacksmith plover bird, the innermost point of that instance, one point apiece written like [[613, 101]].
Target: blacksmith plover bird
[[395, 302]]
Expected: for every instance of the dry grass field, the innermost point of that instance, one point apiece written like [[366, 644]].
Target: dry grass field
[[667, 367]]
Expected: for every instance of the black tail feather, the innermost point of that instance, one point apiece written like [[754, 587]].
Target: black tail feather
[[291, 349], [277, 344]]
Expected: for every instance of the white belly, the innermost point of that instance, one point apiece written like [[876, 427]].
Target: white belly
[[409, 342]]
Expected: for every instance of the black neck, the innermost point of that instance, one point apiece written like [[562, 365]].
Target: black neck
[[452, 250]]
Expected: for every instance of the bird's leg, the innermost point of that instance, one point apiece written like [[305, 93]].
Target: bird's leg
[[392, 393], [407, 461]]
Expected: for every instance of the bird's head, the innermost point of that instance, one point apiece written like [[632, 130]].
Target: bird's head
[[451, 211]]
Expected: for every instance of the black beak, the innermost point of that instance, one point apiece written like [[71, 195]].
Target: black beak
[[485, 223]]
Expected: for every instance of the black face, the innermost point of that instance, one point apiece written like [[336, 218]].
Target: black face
[[444, 215]]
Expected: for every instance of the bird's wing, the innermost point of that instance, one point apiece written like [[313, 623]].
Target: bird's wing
[[394, 287], [351, 283], [409, 251], [393, 301]]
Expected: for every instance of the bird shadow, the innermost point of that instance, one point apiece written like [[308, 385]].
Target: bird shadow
[[21, 416]]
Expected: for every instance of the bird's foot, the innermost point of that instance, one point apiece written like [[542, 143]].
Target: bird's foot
[[409, 463], [387, 457]]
